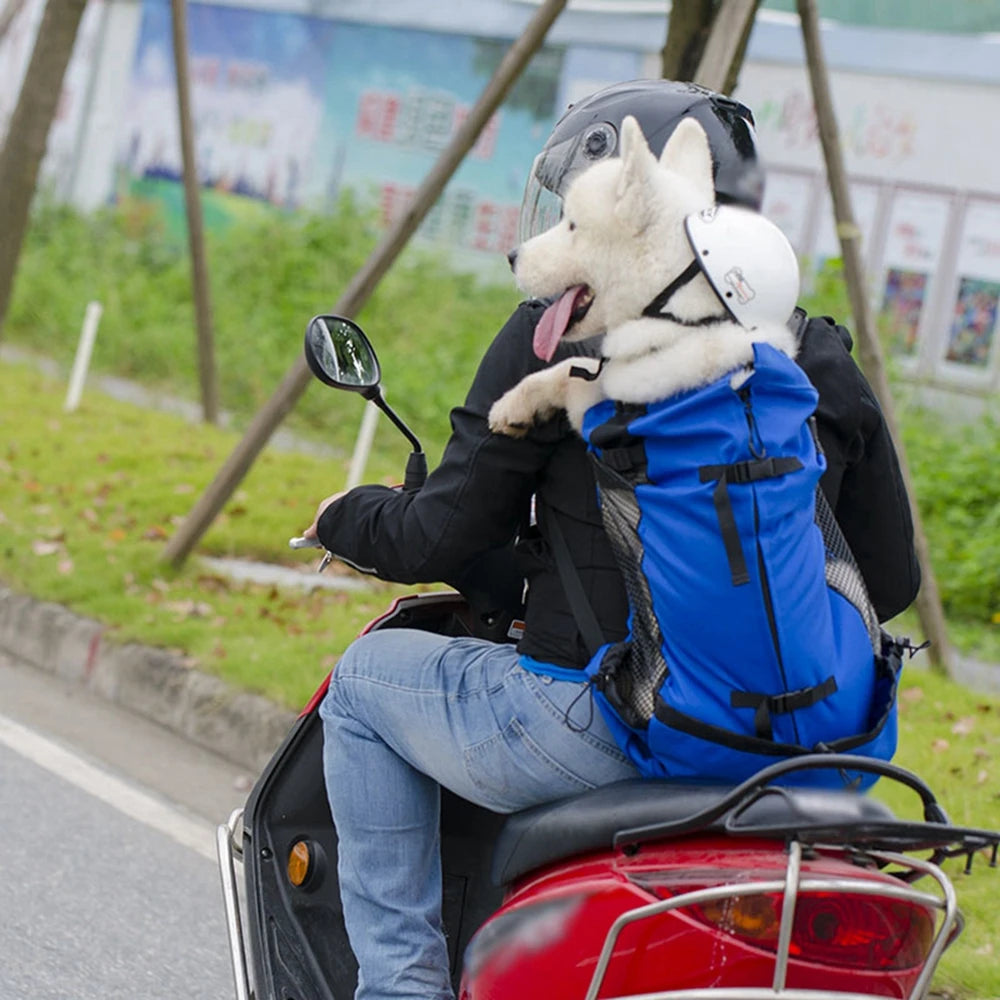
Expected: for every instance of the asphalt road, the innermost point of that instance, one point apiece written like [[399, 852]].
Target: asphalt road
[[108, 882]]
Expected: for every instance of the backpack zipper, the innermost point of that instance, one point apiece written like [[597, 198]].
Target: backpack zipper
[[756, 446]]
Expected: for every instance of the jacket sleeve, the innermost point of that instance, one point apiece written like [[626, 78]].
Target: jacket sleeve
[[863, 481], [472, 503]]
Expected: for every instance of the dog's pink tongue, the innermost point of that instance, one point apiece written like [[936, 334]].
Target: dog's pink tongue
[[553, 322]]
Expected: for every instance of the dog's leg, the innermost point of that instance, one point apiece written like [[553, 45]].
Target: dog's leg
[[539, 396]]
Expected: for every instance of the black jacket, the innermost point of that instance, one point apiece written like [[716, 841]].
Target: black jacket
[[459, 528]]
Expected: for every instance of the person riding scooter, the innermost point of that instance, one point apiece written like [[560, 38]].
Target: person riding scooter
[[510, 726]]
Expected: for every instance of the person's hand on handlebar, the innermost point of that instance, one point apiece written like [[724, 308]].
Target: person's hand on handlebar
[[310, 532]]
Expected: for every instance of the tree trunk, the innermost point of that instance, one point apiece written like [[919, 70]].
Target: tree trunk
[[691, 27], [733, 77], [687, 32], [201, 292], [24, 148], [869, 348], [722, 55]]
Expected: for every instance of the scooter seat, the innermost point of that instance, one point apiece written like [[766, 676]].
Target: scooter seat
[[589, 822]]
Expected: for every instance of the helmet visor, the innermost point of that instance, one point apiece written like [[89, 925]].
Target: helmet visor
[[553, 170], [541, 208]]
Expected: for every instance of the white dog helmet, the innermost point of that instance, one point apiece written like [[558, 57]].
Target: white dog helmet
[[748, 261], [589, 131]]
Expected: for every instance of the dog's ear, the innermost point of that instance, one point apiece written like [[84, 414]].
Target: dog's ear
[[687, 152], [634, 206]]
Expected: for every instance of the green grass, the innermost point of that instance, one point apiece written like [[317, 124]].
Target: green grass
[[950, 736], [90, 497]]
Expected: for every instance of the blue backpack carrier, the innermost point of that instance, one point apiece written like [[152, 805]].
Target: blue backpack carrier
[[751, 635]]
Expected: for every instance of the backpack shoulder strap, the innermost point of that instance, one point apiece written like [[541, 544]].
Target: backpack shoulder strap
[[583, 612]]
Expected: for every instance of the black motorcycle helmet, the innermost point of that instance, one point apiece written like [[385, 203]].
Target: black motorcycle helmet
[[588, 132]]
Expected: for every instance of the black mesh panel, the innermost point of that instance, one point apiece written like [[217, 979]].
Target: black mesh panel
[[643, 669], [842, 573]]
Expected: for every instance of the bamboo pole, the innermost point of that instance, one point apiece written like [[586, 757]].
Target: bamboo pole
[[196, 234], [23, 147], [928, 601], [294, 383], [724, 42]]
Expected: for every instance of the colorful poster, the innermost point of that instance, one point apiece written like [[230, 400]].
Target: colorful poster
[[291, 110], [974, 315], [257, 82], [974, 321], [387, 120], [903, 301], [915, 234]]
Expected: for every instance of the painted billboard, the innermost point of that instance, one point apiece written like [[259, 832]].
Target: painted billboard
[[290, 110]]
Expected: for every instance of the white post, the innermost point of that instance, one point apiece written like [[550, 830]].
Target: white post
[[83, 350], [362, 446]]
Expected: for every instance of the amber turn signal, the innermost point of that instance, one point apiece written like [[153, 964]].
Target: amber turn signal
[[299, 863]]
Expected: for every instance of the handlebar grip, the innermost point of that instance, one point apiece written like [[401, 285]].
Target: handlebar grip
[[301, 542], [416, 472]]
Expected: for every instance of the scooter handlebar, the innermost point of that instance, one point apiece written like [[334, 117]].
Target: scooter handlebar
[[301, 542]]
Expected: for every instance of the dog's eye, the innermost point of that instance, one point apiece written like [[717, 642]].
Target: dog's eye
[[572, 226]]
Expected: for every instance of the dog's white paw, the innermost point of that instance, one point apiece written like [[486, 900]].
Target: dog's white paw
[[511, 415]]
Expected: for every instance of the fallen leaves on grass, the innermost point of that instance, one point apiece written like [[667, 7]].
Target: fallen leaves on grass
[[189, 609], [964, 726]]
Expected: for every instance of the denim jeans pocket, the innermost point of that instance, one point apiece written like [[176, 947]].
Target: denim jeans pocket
[[511, 771]]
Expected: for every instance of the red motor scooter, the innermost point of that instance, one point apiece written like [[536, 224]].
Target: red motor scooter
[[672, 890]]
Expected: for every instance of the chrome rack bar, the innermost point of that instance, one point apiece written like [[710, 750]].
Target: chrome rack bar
[[227, 870]]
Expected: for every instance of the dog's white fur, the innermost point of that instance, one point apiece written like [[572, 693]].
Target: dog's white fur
[[622, 234]]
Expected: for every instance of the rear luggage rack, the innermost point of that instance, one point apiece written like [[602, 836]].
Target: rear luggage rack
[[934, 833]]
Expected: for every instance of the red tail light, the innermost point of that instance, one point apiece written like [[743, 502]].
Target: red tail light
[[843, 930], [862, 931]]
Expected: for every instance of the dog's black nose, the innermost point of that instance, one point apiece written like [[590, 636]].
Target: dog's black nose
[[512, 258]]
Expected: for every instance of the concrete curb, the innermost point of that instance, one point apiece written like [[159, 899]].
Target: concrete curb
[[241, 727]]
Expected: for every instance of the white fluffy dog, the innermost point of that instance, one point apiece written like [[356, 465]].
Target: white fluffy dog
[[619, 245]]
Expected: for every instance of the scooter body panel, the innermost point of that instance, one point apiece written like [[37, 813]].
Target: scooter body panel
[[297, 942], [560, 917]]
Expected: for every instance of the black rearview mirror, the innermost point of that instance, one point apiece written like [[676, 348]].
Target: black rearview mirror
[[339, 354]]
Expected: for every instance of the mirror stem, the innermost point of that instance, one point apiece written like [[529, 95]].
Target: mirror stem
[[379, 400]]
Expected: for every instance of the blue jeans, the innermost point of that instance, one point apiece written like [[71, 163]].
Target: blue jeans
[[408, 711]]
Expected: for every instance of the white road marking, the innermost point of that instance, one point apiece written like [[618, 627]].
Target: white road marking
[[196, 835]]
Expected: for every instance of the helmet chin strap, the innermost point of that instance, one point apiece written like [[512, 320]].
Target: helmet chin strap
[[656, 309]]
